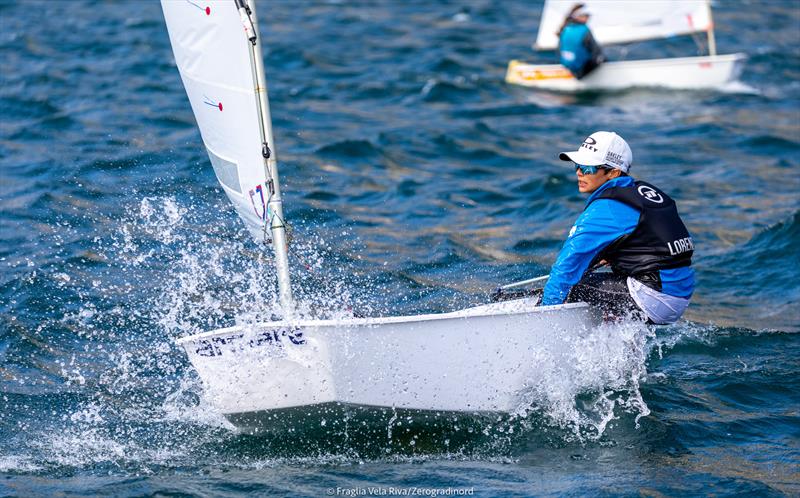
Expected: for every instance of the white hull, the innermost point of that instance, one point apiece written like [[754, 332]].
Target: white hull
[[679, 73], [475, 360]]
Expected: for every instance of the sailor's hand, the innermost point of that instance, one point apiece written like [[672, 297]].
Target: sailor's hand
[[497, 295]]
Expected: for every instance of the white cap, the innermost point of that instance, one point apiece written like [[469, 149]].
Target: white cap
[[602, 148], [580, 11]]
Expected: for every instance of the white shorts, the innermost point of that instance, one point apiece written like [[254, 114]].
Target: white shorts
[[660, 308]]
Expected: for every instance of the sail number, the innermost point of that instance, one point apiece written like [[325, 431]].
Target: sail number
[[272, 340]]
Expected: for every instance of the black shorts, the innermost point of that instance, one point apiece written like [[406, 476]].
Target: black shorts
[[608, 292], [590, 66]]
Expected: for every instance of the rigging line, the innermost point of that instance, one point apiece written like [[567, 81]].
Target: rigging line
[[269, 216], [270, 194], [300, 260], [289, 233], [266, 153], [701, 48]]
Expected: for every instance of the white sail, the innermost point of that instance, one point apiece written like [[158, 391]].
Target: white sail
[[212, 54], [218, 54], [624, 21]]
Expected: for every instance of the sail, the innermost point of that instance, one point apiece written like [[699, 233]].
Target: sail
[[621, 21], [212, 54]]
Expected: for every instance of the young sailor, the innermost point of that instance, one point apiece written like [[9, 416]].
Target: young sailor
[[578, 49], [632, 226]]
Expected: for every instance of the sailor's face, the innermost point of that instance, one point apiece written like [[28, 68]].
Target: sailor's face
[[588, 183]]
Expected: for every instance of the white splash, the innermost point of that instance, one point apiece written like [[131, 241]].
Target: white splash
[[18, 463], [599, 378]]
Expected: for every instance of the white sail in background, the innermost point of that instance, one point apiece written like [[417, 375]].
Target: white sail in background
[[621, 21], [212, 54]]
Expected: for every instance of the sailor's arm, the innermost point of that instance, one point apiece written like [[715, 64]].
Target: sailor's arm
[[594, 48], [603, 222]]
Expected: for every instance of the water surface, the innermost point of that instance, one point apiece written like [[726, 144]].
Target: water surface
[[415, 181]]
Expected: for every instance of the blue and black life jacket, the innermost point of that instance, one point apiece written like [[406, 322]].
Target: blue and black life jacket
[[660, 240], [572, 48]]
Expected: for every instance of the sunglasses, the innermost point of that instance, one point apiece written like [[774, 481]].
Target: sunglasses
[[589, 170]]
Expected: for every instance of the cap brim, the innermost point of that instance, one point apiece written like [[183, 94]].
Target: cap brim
[[580, 157]]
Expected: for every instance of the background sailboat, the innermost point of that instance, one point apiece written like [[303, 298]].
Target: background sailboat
[[479, 359], [616, 22]]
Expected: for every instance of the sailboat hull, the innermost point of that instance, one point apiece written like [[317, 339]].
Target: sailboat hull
[[679, 73], [475, 360]]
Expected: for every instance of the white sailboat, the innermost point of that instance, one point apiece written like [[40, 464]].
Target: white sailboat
[[476, 360], [616, 22]]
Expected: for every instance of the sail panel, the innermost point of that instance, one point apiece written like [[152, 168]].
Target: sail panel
[[212, 55], [620, 21], [227, 172]]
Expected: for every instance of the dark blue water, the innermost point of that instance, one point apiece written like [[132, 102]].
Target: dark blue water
[[415, 181]]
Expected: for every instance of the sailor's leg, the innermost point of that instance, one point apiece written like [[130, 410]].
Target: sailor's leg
[[607, 292], [509, 295], [587, 68]]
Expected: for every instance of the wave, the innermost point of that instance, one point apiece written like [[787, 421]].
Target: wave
[[350, 149], [763, 268], [770, 144], [456, 91]]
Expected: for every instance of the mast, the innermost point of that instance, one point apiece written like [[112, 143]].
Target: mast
[[712, 42], [274, 217]]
